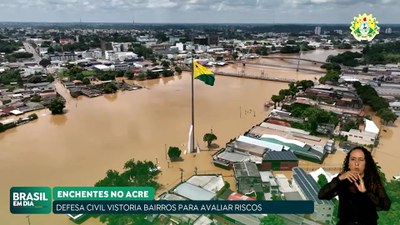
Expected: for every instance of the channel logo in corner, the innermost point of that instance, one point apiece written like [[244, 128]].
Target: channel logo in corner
[[364, 27], [30, 200]]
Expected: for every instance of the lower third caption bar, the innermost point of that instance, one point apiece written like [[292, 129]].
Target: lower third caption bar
[[183, 207]]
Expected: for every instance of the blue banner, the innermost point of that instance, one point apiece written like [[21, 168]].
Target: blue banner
[[183, 207]]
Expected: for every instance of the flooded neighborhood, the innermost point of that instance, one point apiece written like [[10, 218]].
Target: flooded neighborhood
[[208, 112]]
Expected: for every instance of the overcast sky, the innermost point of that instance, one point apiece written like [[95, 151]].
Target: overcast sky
[[198, 11]]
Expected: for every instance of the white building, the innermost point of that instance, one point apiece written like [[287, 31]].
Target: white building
[[31, 70], [317, 30], [94, 54], [180, 46], [364, 137], [121, 56]]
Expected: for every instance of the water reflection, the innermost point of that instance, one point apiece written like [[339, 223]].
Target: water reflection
[[58, 120], [111, 97], [9, 132]]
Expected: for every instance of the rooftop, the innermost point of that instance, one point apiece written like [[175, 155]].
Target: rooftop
[[281, 156], [246, 169], [371, 127], [250, 148], [308, 185], [193, 192], [209, 183], [260, 143], [233, 156]]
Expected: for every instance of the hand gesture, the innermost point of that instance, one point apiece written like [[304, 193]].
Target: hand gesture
[[352, 177], [360, 184]]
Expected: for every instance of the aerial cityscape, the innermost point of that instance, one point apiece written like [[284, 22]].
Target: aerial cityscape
[[91, 97]]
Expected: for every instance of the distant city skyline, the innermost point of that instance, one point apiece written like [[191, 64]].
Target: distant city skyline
[[198, 11]]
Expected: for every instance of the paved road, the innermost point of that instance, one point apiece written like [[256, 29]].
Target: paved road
[[29, 48]]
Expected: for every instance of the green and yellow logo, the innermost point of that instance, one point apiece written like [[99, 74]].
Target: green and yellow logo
[[30, 200], [364, 27]]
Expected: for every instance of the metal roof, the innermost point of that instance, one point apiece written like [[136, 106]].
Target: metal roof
[[308, 185], [246, 169], [283, 156], [193, 192], [209, 183], [261, 143]]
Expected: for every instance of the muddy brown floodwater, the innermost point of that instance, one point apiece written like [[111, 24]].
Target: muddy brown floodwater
[[77, 148]]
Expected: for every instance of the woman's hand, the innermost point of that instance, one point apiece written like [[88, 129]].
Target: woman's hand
[[360, 185], [352, 177]]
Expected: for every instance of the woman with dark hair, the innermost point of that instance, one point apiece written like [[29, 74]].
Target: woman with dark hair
[[360, 190]]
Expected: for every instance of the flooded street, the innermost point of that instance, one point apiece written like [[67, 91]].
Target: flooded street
[[77, 148]]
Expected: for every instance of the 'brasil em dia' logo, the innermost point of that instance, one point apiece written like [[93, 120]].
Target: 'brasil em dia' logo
[[364, 27], [30, 200]]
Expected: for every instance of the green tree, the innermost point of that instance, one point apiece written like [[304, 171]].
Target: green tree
[[110, 88], [137, 174], [178, 70], [33, 116], [167, 73], [36, 98], [322, 181], [284, 93], [50, 50], [349, 125], [129, 74], [45, 63], [152, 75], [86, 81], [290, 49], [272, 220], [142, 51], [49, 78], [2, 128], [262, 50], [161, 37], [57, 106], [331, 76], [331, 66], [165, 63], [276, 99], [304, 84], [347, 58], [20, 55], [387, 115], [174, 153], [344, 46], [209, 138], [393, 215]]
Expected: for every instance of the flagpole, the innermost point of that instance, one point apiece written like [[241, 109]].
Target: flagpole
[[193, 143]]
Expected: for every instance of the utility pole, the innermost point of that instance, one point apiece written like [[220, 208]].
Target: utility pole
[[181, 174]]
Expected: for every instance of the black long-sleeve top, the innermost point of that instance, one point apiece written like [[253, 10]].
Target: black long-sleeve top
[[353, 204]]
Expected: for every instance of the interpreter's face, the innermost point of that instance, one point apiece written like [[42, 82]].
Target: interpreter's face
[[357, 162]]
